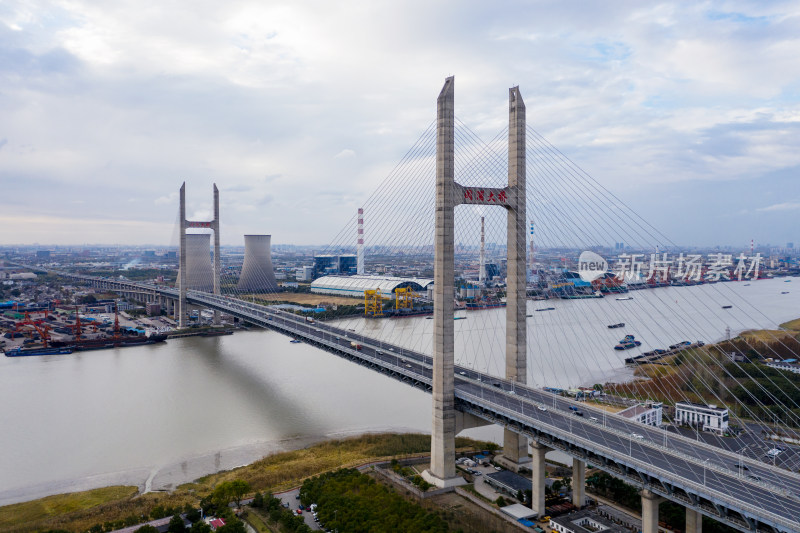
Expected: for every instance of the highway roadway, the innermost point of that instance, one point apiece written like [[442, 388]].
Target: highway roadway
[[698, 467], [758, 490]]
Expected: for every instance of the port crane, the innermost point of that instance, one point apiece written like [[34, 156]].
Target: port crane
[[36, 325]]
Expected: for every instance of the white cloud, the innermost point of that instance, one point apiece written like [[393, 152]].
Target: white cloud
[[113, 100], [784, 206], [345, 154]]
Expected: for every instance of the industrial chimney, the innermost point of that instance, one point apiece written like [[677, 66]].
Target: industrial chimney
[[199, 273], [482, 270], [257, 273], [360, 247]]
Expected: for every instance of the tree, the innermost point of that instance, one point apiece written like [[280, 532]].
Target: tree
[[176, 524], [146, 529], [200, 527], [258, 500], [238, 489], [222, 494], [501, 502]]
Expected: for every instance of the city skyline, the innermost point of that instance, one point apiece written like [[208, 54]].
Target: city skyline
[[298, 111]]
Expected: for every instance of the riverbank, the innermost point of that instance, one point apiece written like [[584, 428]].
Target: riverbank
[[168, 476], [275, 472], [675, 378]]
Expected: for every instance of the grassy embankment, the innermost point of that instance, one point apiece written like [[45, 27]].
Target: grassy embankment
[[80, 511], [707, 375]]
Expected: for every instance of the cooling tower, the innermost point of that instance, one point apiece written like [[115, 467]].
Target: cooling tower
[[199, 274], [257, 273]]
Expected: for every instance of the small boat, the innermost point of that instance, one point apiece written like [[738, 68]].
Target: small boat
[[727, 306], [295, 341], [529, 316], [746, 285], [627, 338], [622, 299], [547, 309], [627, 345], [620, 325], [428, 318], [784, 292], [459, 317], [787, 281]]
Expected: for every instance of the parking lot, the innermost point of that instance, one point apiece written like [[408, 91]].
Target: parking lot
[[291, 500]]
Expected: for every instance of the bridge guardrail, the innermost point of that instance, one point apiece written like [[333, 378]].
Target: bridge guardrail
[[661, 473]]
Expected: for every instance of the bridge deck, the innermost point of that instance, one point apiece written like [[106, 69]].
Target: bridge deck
[[670, 465]]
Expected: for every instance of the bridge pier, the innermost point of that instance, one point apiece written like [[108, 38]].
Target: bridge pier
[[578, 483], [650, 502], [537, 475], [694, 521]]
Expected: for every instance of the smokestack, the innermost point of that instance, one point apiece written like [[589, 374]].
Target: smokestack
[[257, 273], [360, 247], [199, 274], [482, 270], [530, 259]]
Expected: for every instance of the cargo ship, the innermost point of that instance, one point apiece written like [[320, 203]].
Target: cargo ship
[[19, 351], [485, 305], [119, 341]]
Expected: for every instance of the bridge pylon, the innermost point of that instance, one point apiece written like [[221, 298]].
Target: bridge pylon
[[442, 472], [182, 282]]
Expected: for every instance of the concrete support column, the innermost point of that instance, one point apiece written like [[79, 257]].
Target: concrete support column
[[578, 483], [694, 521], [216, 250], [181, 319], [650, 503], [515, 446], [538, 471], [443, 432]]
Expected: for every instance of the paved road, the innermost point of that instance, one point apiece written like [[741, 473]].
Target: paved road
[[766, 492]]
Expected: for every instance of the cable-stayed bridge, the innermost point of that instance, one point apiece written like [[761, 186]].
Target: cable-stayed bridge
[[744, 493], [704, 478]]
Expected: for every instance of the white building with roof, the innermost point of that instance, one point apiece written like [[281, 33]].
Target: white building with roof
[[354, 286], [649, 413], [706, 417]]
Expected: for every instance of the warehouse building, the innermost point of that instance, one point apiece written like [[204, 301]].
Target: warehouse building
[[354, 286]]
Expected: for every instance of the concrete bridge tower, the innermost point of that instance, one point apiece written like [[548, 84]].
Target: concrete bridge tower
[[448, 195]]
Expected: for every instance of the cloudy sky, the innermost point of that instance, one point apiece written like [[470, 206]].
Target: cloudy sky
[[689, 112]]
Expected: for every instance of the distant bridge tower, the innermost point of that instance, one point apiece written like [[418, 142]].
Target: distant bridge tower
[[183, 284], [449, 194]]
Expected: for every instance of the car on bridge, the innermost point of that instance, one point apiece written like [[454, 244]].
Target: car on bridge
[[541, 407]]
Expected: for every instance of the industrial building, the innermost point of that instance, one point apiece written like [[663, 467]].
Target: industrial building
[[355, 286], [326, 265]]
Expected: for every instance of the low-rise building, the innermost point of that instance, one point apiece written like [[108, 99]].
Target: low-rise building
[[508, 482], [585, 522], [649, 413], [788, 366], [700, 415]]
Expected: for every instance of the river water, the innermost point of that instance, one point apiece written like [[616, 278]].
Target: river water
[[156, 416]]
